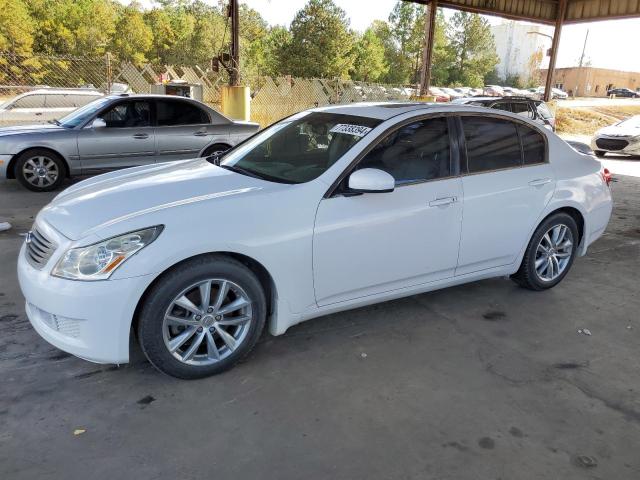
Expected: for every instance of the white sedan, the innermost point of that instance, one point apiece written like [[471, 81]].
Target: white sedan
[[327, 210]]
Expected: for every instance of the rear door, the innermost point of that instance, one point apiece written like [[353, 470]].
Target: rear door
[[128, 140], [507, 182], [183, 130]]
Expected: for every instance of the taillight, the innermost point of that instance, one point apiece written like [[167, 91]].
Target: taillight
[[606, 176]]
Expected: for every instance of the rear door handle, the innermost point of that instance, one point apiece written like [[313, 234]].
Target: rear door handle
[[539, 182], [201, 133], [441, 202], [141, 136]]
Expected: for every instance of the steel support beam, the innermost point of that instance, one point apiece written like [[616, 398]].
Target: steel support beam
[[561, 14], [234, 13], [427, 53]]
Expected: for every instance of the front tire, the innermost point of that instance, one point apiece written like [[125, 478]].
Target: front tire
[[40, 170], [550, 253], [202, 317], [599, 153], [216, 149]]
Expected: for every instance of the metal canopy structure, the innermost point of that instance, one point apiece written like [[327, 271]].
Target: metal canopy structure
[[555, 12]]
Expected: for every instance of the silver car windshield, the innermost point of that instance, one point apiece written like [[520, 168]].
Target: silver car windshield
[[83, 114], [299, 148]]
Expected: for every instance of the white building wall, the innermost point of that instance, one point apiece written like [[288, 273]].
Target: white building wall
[[515, 47]]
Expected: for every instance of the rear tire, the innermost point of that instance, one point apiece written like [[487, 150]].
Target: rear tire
[[599, 153], [216, 149], [40, 170], [191, 325], [550, 253]]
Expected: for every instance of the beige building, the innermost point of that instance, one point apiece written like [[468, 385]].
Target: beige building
[[593, 82]]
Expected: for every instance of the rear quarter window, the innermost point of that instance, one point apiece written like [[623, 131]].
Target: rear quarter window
[[492, 144], [533, 145], [30, 101]]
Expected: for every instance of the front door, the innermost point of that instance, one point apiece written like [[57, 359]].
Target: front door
[[128, 139], [507, 183], [378, 242]]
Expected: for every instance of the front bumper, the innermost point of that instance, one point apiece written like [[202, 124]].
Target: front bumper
[[91, 320], [612, 145], [4, 165]]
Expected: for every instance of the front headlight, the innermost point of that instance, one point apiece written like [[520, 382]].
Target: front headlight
[[100, 260]]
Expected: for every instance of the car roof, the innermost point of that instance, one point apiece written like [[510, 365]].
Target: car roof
[[61, 91], [387, 110]]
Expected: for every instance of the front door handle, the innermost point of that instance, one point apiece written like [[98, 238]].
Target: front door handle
[[539, 182], [441, 202], [141, 136]]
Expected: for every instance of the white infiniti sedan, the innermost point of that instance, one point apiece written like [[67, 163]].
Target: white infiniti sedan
[[327, 210]]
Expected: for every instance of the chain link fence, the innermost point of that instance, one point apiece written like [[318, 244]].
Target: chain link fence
[[272, 98]]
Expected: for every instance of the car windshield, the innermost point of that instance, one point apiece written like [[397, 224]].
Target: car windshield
[[83, 114], [299, 148]]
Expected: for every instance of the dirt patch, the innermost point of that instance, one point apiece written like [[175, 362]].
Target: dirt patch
[[588, 120]]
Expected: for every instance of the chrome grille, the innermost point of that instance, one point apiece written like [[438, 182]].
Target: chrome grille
[[39, 248]]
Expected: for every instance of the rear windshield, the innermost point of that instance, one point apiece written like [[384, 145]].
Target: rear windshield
[[544, 111], [299, 148]]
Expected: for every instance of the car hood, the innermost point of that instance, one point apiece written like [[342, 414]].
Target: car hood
[[102, 201], [21, 129], [620, 131]]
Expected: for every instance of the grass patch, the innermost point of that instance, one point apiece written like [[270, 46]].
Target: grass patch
[[588, 120]]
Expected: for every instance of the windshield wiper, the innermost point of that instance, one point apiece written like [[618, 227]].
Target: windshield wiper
[[251, 173]]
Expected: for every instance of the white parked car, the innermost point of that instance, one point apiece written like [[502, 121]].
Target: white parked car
[[622, 138], [43, 105], [327, 210]]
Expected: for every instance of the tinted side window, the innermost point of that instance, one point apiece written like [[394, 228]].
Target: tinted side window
[[533, 146], [128, 114], [30, 101], [501, 106], [416, 152], [522, 108], [180, 113], [492, 144]]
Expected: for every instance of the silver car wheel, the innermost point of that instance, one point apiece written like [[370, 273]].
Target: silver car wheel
[[207, 322], [40, 171], [554, 252]]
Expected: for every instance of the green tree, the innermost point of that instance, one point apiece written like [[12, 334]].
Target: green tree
[[369, 63], [134, 38], [164, 37], [473, 48], [406, 23], [321, 43], [276, 44], [16, 28]]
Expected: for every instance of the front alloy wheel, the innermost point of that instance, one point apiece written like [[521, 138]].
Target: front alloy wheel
[[39, 170], [207, 321], [202, 317]]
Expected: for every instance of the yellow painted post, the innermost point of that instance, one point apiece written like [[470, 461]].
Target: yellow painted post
[[236, 102]]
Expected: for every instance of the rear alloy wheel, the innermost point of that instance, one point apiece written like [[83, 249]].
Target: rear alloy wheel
[[202, 317], [39, 170], [216, 150], [550, 253]]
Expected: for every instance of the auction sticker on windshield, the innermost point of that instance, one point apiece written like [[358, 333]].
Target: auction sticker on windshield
[[357, 130]]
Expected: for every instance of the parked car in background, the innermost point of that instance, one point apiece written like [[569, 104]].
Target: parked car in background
[[453, 94], [439, 94], [464, 91], [556, 93], [623, 92], [622, 138], [535, 110], [493, 91], [113, 132], [42, 105], [327, 210]]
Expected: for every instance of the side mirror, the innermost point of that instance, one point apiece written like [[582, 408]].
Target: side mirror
[[98, 123], [371, 180]]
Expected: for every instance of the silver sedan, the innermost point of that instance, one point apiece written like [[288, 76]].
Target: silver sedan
[[116, 132]]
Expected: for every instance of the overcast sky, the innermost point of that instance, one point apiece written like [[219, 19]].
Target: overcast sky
[[611, 44]]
